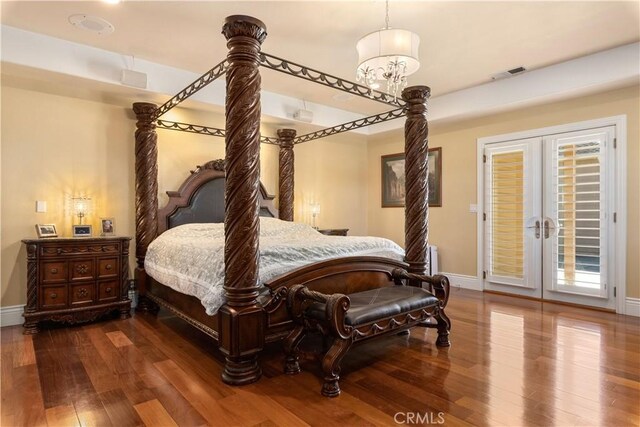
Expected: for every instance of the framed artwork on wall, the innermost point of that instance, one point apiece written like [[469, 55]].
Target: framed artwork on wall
[[393, 185], [393, 180]]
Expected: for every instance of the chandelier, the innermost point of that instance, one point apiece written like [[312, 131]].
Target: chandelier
[[390, 55]]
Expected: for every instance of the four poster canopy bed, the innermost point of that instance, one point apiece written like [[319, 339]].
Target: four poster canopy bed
[[223, 208]]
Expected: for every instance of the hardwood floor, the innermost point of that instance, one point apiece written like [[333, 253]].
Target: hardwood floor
[[512, 362]]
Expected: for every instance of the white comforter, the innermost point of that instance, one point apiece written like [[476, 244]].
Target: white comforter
[[190, 258]]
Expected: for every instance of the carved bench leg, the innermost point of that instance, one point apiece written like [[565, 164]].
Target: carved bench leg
[[291, 365], [443, 327], [331, 366]]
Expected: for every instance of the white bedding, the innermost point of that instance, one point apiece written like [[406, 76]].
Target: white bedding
[[190, 258]]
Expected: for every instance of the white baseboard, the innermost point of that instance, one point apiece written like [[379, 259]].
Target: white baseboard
[[464, 282], [11, 315], [632, 307]]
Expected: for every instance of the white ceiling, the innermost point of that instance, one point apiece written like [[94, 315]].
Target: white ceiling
[[462, 43]]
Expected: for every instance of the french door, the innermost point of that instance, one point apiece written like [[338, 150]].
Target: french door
[[548, 215]]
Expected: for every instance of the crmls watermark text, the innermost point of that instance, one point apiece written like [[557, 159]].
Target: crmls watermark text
[[419, 418]]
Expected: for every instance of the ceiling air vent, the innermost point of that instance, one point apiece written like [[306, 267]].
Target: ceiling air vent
[[94, 24], [508, 73]]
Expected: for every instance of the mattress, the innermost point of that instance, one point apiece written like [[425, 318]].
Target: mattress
[[190, 258]]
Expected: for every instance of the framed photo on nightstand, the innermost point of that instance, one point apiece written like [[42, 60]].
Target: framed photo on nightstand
[[107, 226], [46, 230], [81, 231]]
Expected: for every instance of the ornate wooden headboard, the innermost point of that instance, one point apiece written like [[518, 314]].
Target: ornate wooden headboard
[[200, 199]]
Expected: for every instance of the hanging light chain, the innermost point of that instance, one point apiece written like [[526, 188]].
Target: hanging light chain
[[386, 18]]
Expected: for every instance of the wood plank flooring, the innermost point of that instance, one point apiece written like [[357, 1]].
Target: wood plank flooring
[[513, 362]]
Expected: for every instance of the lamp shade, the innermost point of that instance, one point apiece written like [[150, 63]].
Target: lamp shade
[[81, 206], [377, 49]]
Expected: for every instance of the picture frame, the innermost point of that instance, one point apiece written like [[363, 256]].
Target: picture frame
[[107, 226], [393, 176], [46, 230], [82, 230]]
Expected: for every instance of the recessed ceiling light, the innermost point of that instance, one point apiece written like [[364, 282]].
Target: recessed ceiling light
[[112, 1], [92, 23]]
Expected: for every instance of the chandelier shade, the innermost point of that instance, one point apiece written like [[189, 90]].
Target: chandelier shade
[[389, 45]]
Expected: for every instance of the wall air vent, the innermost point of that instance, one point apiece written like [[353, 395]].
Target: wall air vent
[[508, 73]]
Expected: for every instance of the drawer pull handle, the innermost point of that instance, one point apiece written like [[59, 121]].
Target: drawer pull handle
[[82, 292], [59, 251], [109, 267], [54, 296], [108, 290], [54, 270], [82, 268]]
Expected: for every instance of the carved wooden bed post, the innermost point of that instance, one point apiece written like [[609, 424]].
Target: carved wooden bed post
[[286, 158], [416, 228], [146, 193], [416, 149], [242, 318]]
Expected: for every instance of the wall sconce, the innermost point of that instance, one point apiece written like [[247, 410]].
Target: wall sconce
[[81, 206], [315, 210]]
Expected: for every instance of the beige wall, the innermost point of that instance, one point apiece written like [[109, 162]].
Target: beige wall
[[181, 152], [54, 146], [333, 172], [453, 227]]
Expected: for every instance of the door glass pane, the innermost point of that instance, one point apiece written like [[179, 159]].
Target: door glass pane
[[507, 215], [577, 252]]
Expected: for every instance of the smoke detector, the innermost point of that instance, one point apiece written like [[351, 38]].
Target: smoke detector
[[303, 116], [94, 24], [509, 73], [134, 79]]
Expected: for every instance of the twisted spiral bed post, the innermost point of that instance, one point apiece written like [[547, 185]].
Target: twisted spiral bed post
[[242, 318], [146, 193], [416, 148], [286, 182]]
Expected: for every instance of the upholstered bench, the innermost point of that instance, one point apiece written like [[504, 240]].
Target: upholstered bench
[[364, 315]]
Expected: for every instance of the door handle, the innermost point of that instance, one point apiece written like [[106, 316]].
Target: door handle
[[536, 226], [547, 228]]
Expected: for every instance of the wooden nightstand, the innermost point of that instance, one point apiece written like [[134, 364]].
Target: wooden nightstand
[[75, 280], [334, 231]]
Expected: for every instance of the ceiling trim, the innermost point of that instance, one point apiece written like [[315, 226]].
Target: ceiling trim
[[597, 72]]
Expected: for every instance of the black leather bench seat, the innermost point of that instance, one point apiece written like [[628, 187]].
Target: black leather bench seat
[[364, 315], [377, 304]]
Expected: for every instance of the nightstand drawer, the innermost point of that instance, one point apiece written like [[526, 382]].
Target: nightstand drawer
[[108, 290], [50, 250], [82, 293], [81, 269], [52, 297], [54, 272], [107, 267]]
